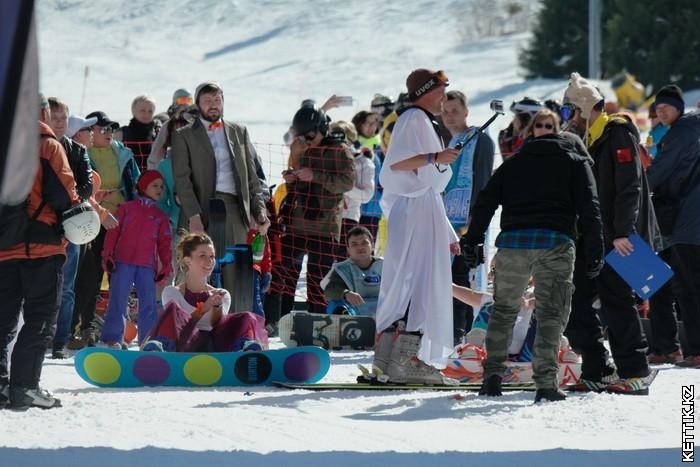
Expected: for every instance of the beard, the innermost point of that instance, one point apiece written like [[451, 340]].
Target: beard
[[212, 115]]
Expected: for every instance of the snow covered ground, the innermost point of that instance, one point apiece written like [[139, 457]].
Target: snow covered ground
[[269, 55], [271, 427]]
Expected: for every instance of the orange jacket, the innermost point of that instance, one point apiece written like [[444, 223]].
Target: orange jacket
[[55, 181]]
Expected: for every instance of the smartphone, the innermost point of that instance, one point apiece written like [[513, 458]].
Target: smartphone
[[344, 101], [459, 145]]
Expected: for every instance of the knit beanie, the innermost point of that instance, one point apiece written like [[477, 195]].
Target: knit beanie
[[582, 94], [671, 95], [201, 86], [146, 179]]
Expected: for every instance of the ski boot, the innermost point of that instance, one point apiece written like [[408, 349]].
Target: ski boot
[[491, 386], [405, 367]]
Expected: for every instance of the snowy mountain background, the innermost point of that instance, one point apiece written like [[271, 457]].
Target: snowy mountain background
[[269, 55]]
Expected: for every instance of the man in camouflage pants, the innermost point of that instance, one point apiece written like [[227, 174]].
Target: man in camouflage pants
[[543, 189]]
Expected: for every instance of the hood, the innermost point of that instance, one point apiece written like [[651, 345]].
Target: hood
[[44, 129], [625, 120], [689, 121], [548, 145]]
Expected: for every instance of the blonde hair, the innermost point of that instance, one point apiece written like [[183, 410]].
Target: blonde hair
[[538, 117], [188, 243], [140, 100]]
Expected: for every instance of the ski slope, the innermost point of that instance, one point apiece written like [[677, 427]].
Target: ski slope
[[269, 55]]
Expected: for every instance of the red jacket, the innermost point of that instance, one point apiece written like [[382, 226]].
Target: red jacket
[[266, 263], [142, 237]]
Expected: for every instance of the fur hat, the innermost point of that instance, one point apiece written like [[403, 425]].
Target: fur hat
[[582, 94], [671, 95]]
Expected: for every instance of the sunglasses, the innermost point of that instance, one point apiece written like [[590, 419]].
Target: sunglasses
[[106, 129], [548, 126], [567, 112], [308, 137]]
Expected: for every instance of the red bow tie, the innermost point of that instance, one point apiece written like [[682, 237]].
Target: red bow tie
[[213, 126]]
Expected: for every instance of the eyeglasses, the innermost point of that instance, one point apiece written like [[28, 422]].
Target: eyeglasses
[[567, 111], [548, 126]]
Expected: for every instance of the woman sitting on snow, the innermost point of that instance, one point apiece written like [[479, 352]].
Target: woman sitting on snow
[[195, 315]]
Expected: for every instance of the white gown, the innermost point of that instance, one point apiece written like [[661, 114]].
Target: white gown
[[417, 263]]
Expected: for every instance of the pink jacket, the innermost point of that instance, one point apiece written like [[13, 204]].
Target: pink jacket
[[143, 233]]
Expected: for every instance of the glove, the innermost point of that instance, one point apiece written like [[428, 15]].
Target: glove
[[593, 268], [265, 282], [473, 254]]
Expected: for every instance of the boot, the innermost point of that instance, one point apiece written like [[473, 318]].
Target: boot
[[549, 395], [24, 398], [491, 386], [405, 367], [382, 351]]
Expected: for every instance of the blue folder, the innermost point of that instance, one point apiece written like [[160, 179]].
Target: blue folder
[[643, 270]]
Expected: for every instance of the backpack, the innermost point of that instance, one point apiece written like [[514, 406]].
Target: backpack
[[17, 226]]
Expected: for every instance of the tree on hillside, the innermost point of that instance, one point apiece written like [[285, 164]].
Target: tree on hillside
[[656, 40], [559, 42]]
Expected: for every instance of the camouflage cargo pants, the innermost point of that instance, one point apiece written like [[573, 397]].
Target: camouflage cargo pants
[[552, 271]]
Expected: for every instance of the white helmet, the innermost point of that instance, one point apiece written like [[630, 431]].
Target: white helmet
[[81, 224]]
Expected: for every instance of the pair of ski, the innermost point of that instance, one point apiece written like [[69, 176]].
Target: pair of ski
[[368, 383]]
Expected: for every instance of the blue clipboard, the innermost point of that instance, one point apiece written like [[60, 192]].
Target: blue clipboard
[[643, 270]]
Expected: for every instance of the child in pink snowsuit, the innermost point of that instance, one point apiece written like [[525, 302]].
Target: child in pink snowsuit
[[131, 253]]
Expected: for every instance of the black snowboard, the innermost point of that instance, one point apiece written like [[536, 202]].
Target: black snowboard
[[333, 331]]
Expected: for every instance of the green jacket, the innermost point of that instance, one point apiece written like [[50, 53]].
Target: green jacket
[[316, 207]]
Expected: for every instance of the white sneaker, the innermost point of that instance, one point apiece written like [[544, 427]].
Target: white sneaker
[[109, 345]]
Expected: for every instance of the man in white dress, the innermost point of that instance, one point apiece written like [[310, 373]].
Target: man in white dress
[[414, 311]]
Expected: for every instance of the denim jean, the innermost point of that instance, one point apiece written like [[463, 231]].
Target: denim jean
[[65, 312]]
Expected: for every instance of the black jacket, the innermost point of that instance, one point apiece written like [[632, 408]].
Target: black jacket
[[547, 184], [623, 190], [79, 162], [675, 175]]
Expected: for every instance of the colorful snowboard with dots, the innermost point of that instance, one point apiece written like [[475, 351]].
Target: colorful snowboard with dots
[[124, 368]]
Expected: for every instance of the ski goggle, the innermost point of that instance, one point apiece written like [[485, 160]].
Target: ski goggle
[[567, 111], [183, 100], [438, 79]]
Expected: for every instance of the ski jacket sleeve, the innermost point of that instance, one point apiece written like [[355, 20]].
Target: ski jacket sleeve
[[164, 244], [666, 163], [627, 179], [486, 204], [342, 178], [587, 205], [112, 235]]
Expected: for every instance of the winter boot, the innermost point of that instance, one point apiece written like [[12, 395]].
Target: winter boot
[[24, 398], [382, 351], [59, 352], [549, 395], [491, 386], [405, 367]]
